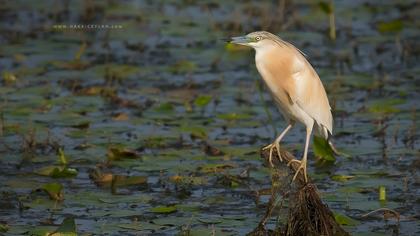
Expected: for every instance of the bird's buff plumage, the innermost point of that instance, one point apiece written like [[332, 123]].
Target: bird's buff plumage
[[294, 85]]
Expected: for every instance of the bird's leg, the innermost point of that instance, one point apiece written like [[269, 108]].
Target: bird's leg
[[276, 144], [303, 162]]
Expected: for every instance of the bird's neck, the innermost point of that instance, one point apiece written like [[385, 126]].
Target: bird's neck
[[267, 53]]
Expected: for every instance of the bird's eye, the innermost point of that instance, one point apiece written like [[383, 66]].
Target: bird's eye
[[258, 38]]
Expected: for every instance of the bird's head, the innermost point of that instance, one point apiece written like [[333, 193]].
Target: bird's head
[[258, 39]]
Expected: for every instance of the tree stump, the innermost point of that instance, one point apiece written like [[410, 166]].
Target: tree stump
[[307, 214]]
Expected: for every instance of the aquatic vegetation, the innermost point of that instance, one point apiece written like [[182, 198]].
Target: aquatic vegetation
[[156, 127]]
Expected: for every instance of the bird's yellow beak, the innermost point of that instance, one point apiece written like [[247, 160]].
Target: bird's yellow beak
[[242, 40]]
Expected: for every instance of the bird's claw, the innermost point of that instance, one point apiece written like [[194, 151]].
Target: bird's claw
[[291, 161], [302, 166], [270, 157], [268, 146]]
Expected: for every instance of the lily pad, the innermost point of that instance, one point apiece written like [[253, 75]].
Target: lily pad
[[390, 26], [67, 228], [165, 107], [215, 168], [173, 221], [386, 105], [57, 172], [140, 226], [116, 153], [342, 178], [4, 228], [164, 209], [233, 116], [211, 220], [54, 190], [345, 220], [202, 100]]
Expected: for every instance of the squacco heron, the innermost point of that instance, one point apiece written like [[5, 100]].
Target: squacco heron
[[295, 86]]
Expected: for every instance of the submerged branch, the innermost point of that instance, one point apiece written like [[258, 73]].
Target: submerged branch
[[386, 212]]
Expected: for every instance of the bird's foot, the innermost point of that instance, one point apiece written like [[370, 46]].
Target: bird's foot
[[271, 147], [267, 147], [302, 167]]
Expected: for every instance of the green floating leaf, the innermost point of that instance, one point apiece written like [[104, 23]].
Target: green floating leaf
[[81, 125], [117, 70], [54, 190], [4, 228], [204, 231], [195, 131], [173, 221], [215, 168], [8, 77], [203, 100], [391, 26], [370, 173], [24, 71], [64, 173], [345, 220], [126, 199], [139, 226], [165, 107], [342, 178], [116, 153], [133, 226], [235, 217], [67, 228], [385, 105], [322, 149], [194, 180], [164, 209], [233, 116], [234, 184], [109, 179], [154, 141], [121, 180], [211, 220], [41, 231], [57, 172]]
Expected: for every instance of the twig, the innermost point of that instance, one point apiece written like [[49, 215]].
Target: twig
[[396, 214]]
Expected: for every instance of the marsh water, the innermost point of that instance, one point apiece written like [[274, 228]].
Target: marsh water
[[154, 125]]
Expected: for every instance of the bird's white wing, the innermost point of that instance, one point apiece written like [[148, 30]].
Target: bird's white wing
[[310, 93]]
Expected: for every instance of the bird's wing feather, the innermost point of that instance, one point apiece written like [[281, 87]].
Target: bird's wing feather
[[310, 93]]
